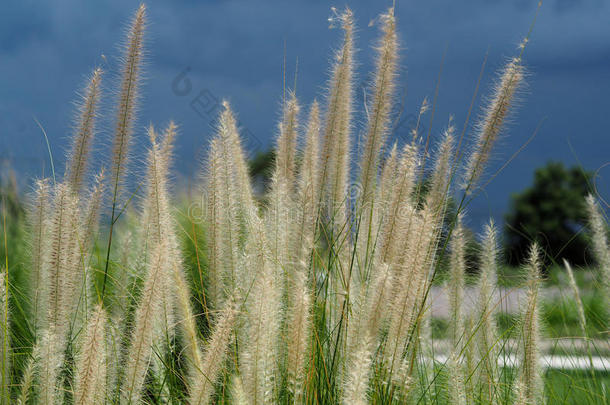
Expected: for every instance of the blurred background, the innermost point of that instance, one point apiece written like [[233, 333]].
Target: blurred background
[[200, 52]]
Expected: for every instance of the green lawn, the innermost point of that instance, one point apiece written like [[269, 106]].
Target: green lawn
[[561, 387], [577, 388]]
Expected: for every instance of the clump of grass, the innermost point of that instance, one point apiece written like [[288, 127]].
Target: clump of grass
[[308, 295]]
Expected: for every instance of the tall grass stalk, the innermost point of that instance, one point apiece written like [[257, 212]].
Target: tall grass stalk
[[91, 365], [494, 118], [579, 307], [128, 96], [601, 249], [487, 334], [38, 231], [203, 380], [530, 377], [85, 128]]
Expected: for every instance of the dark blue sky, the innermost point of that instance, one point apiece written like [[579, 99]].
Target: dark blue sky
[[234, 50]]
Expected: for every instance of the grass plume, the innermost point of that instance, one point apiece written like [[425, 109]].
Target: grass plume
[[493, 119], [85, 131], [91, 365], [530, 378], [126, 109], [601, 249]]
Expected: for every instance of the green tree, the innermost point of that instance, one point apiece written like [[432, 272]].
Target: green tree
[[551, 211]]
